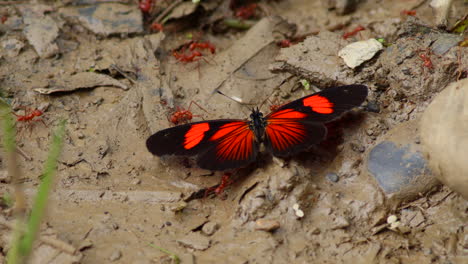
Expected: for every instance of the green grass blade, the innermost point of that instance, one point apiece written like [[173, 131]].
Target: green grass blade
[[173, 256], [40, 202], [9, 146]]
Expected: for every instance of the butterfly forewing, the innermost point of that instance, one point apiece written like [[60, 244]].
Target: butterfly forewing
[[328, 104], [285, 137]]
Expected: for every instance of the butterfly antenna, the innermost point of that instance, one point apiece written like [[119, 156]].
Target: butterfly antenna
[[274, 90], [235, 99]]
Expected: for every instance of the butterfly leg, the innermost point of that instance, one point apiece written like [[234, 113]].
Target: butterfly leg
[[218, 189]]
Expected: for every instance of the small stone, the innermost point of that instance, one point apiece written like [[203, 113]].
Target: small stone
[[359, 52], [85, 244], [299, 213], [41, 33], [339, 223], [5, 177], [12, 47], [210, 228], [445, 42], [315, 231], [107, 18], [195, 241], [116, 255], [179, 207], [136, 181], [394, 225], [392, 219], [267, 225], [333, 177], [373, 106]]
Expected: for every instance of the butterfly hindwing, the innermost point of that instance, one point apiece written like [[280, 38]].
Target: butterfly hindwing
[[234, 146], [327, 104], [285, 137], [219, 144]]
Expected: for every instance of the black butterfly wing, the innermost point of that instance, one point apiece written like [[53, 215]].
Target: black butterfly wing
[[218, 144], [296, 126]]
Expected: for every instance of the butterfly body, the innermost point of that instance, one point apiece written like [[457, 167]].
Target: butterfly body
[[257, 124], [232, 143]]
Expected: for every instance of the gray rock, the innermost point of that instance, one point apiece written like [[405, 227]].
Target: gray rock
[[398, 165], [445, 42], [444, 136], [108, 18], [316, 59], [333, 177], [395, 166], [195, 241], [41, 33], [12, 47]]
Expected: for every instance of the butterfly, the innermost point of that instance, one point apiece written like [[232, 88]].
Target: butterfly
[[225, 144]]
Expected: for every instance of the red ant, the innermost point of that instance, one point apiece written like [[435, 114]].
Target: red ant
[[408, 12], [29, 117], [157, 26], [4, 19], [427, 62], [187, 57], [353, 32], [184, 115], [225, 181], [275, 106], [203, 45], [246, 12], [285, 43], [145, 5]]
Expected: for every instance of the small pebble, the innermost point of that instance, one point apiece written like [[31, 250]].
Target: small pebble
[[179, 207], [373, 106], [85, 244], [392, 219], [267, 225], [5, 177], [210, 228], [299, 212], [136, 181], [340, 223], [333, 177], [116, 255]]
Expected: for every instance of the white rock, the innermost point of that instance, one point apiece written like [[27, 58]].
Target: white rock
[[357, 53], [444, 136], [392, 219]]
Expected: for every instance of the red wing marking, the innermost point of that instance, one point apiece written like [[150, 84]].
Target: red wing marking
[[319, 104], [195, 135], [284, 133], [288, 113], [235, 141]]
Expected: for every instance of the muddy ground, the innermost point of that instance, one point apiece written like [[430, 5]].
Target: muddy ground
[[113, 199]]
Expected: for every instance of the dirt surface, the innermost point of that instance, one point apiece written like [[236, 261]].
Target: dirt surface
[[113, 198]]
